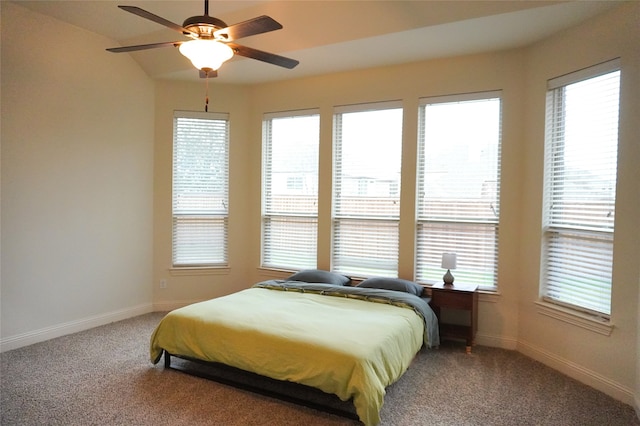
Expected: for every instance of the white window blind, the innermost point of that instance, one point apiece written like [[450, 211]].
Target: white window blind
[[581, 150], [366, 189], [458, 202], [290, 189], [200, 189]]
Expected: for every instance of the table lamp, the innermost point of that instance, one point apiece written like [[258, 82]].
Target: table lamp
[[448, 263]]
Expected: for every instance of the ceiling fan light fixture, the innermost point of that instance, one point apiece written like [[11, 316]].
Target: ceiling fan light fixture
[[206, 54]]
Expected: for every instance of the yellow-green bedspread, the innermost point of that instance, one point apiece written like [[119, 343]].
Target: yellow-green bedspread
[[342, 345]]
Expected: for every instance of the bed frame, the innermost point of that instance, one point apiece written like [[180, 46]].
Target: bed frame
[[335, 405]]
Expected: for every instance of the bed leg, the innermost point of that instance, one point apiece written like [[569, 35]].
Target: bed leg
[[167, 360]]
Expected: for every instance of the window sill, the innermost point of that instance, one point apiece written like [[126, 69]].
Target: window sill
[[586, 321], [202, 270]]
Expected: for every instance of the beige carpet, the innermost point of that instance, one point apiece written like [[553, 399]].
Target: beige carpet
[[103, 377]]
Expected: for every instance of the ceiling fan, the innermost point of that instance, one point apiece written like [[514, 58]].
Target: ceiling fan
[[212, 40]]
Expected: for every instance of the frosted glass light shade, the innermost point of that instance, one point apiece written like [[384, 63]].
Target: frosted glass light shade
[[206, 54]]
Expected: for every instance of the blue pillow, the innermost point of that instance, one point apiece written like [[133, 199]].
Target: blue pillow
[[320, 276], [396, 284]]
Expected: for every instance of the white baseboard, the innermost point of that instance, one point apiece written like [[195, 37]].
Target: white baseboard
[[166, 306], [564, 366], [36, 336], [583, 375], [496, 341]]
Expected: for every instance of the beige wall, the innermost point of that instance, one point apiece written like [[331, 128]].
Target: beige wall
[[82, 177], [593, 357], [409, 83], [77, 150], [510, 318], [190, 285]]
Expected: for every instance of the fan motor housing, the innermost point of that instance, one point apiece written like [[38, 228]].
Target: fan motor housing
[[203, 25]]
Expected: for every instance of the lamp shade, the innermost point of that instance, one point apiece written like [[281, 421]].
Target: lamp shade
[[206, 54], [449, 260]]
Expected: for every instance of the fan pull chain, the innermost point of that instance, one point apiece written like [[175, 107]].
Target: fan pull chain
[[206, 98]]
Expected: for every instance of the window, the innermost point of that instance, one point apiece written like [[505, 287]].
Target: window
[[581, 148], [366, 189], [458, 205], [200, 189], [290, 189]]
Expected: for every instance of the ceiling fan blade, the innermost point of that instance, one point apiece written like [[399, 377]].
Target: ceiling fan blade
[[259, 25], [143, 46], [157, 19], [208, 74], [260, 55]]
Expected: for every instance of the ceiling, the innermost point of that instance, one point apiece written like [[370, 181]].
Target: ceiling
[[327, 36]]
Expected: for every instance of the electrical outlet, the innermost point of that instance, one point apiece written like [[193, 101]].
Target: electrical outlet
[[163, 283]]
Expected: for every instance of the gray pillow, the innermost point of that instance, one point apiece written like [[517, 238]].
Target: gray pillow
[[320, 276], [396, 284]]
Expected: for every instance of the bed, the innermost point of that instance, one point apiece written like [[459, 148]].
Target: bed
[[349, 341]]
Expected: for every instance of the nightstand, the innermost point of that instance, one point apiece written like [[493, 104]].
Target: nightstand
[[462, 297]]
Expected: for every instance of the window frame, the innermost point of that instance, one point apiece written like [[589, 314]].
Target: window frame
[[213, 219], [471, 266], [298, 247], [371, 263], [588, 240]]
